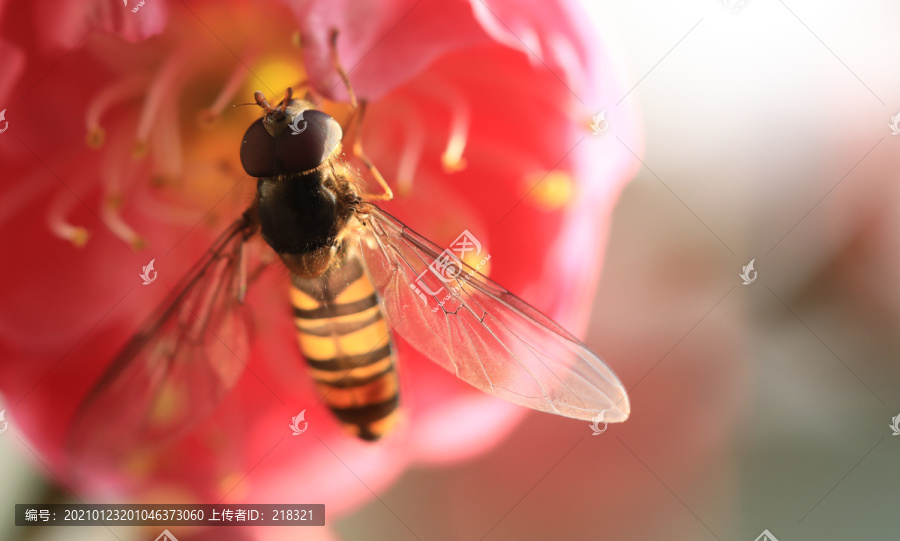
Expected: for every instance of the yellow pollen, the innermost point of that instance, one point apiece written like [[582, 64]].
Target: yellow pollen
[[453, 164], [95, 137], [79, 237], [479, 262], [140, 149], [452, 158], [553, 192], [114, 202], [169, 402], [279, 73]]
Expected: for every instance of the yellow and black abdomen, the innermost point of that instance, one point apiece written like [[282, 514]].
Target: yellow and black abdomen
[[347, 344]]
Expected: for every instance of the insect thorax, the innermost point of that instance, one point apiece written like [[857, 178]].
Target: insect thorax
[[302, 216]]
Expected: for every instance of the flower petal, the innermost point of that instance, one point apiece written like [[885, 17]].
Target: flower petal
[[64, 23]]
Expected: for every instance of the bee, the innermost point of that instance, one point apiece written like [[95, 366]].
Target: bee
[[358, 276]]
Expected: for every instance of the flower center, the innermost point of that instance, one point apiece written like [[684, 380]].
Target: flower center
[[189, 154]]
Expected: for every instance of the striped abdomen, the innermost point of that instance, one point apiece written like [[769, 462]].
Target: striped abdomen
[[347, 344]]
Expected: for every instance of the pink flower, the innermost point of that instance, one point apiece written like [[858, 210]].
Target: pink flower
[[478, 117]]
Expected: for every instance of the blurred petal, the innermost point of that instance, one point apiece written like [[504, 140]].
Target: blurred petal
[[64, 23], [391, 41]]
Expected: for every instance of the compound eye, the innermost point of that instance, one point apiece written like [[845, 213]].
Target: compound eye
[[258, 151], [310, 139]]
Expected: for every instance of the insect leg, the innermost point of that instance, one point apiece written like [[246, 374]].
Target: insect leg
[[355, 122], [343, 74], [387, 193]]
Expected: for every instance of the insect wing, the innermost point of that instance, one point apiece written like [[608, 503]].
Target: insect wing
[[178, 366], [481, 332]]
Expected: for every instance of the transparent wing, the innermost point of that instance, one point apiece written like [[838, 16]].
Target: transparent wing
[[179, 365], [481, 332]]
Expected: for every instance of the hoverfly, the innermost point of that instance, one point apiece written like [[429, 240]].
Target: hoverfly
[[357, 276]]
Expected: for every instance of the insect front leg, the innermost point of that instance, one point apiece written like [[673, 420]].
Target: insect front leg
[[355, 123]]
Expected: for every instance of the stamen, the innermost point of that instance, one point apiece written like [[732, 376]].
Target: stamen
[[117, 92], [56, 220], [163, 88], [532, 43], [168, 162], [553, 190], [112, 204], [414, 141], [452, 159], [208, 117], [163, 211], [113, 220]]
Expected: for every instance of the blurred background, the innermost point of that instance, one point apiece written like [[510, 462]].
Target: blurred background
[[754, 407]]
